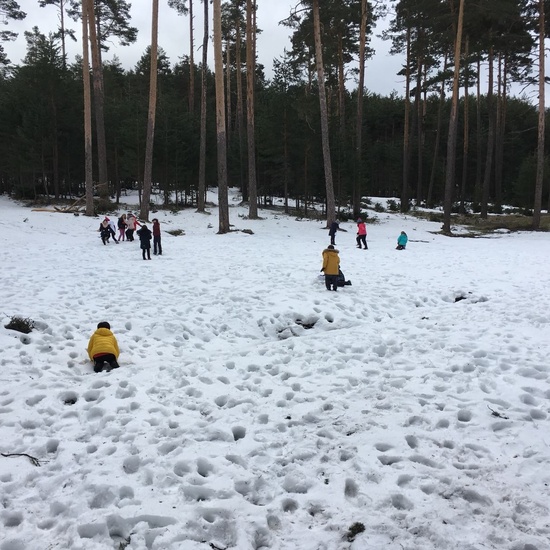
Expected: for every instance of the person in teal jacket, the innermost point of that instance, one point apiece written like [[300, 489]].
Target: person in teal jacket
[[402, 241]]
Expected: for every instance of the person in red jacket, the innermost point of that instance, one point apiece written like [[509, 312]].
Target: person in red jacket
[[361, 234], [157, 246]]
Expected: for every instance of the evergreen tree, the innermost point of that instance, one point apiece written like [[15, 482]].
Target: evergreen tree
[[63, 32]]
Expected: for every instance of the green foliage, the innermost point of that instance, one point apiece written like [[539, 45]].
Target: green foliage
[[393, 206]]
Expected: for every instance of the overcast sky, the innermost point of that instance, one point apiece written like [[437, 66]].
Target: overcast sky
[[381, 75]]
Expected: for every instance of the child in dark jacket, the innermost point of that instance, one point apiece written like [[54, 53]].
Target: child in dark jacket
[[106, 231], [145, 235], [122, 225], [103, 347], [334, 226], [157, 246]]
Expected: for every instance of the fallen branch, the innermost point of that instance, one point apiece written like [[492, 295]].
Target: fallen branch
[[34, 461], [497, 414]]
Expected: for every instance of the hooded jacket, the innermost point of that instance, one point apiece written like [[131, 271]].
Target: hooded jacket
[[156, 229], [132, 223], [144, 235], [103, 341], [331, 261], [105, 229]]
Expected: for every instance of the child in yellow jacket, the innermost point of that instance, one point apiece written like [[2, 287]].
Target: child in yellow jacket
[[103, 347], [331, 267]]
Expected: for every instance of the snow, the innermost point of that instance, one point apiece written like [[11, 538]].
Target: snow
[[417, 404]]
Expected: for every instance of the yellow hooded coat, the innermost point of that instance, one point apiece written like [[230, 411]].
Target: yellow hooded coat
[[102, 341], [331, 261]]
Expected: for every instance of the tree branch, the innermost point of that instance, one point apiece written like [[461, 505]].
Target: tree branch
[[34, 460]]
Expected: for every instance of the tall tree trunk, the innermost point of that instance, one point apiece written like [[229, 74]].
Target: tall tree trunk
[[540, 145], [285, 157], [201, 191], [221, 132], [55, 159], [250, 122], [151, 115], [466, 130], [331, 205], [490, 140], [419, 129], [99, 100], [62, 23], [479, 162], [342, 142], [229, 107], [429, 198], [87, 115], [406, 128], [191, 60], [359, 116], [453, 124], [117, 174], [239, 109], [499, 131]]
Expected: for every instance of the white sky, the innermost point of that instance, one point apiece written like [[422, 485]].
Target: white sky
[[174, 38]]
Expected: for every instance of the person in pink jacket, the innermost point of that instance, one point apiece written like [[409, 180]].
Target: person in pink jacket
[[361, 234], [132, 225]]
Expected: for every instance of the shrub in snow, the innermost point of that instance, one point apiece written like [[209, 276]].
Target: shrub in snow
[[354, 530], [21, 325]]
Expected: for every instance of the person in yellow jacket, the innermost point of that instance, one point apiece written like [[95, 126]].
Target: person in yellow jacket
[[331, 267], [103, 347]]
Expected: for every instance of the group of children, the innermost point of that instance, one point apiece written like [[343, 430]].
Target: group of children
[[127, 225], [331, 259], [361, 238], [103, 346]]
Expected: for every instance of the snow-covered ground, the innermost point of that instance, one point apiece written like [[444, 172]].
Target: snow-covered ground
[[417, 404]]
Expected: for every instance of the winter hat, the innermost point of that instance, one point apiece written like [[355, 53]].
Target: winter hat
[[107, 219], [359, 220], [331, 247], [104, 324]]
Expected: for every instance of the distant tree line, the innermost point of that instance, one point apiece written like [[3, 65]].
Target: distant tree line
[[374, 145]]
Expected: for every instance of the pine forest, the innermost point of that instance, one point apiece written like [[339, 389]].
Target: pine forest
[[454, 137]]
